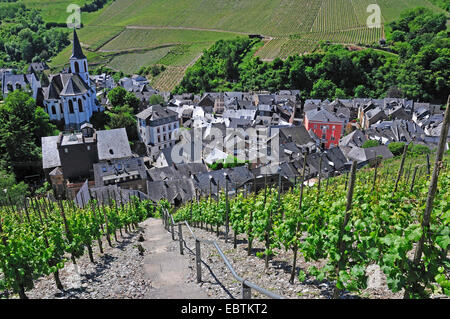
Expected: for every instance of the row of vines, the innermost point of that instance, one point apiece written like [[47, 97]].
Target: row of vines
[[381, 225], [40, 237]]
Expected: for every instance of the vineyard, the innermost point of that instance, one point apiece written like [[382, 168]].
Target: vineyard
[[168, 79], [39, 238], [381, 225], [303, 43], [285, 47]]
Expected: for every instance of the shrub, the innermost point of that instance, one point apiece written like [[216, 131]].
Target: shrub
[[396, 148], [370, 143]]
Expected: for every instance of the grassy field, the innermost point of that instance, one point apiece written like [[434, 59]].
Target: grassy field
[[175, 32]]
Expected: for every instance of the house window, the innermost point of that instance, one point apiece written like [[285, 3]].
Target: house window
[[77, 67], [53, 110], [80, 105]]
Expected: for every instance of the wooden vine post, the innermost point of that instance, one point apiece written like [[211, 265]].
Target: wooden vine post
[[341, 243], [319, 175], [430, 198], [297, 229], [400, 171]]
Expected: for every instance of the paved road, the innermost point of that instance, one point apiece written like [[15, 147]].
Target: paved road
[[165, 267]]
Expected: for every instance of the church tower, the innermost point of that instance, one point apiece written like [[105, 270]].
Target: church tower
[[78, 61]]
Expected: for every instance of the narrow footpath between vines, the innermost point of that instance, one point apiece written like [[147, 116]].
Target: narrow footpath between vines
[[167, 270]]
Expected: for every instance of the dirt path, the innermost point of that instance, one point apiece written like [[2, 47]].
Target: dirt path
[[182, 28], [165, 267]]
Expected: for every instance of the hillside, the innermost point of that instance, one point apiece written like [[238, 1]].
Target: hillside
[[187, 27]]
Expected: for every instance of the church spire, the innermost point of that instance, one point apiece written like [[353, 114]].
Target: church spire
[[77, 53]]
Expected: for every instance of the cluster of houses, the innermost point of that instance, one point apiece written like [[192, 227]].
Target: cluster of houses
[[187, 135], [199, 145]]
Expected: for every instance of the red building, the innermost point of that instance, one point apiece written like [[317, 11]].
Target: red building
[[325, 125]]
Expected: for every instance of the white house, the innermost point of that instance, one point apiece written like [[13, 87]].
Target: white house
[[156, 127], [25, 82]]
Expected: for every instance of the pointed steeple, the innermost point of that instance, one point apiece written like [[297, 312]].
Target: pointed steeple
[[77, 53]]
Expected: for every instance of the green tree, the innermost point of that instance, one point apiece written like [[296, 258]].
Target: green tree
[[11, 192], [22, 125], [123, 117], [156, 99], [117, 96], [396, 148]]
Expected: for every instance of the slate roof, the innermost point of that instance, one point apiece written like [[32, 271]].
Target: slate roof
[[156, 112], [113, 144], [355, 138], [50, 155], [288, 170], [176, 171], [321, 115], [182, 190], [299, 134], [366, 154], [239, 114], [337, 157], [237, 176], [77, 53], [120, 168], [73, 85], [13, 79], [396, 131], [38, 67]]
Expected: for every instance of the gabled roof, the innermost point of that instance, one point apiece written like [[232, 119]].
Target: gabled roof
[[299, 134], [156, 112], [366, 154], [73, 85], [182, 190], [321, 115], [120, 168], [50, 154], [355, 138], [176, 171], [113, 144]]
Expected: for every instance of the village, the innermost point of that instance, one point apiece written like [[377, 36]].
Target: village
[[194, 151], [190, 145]]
